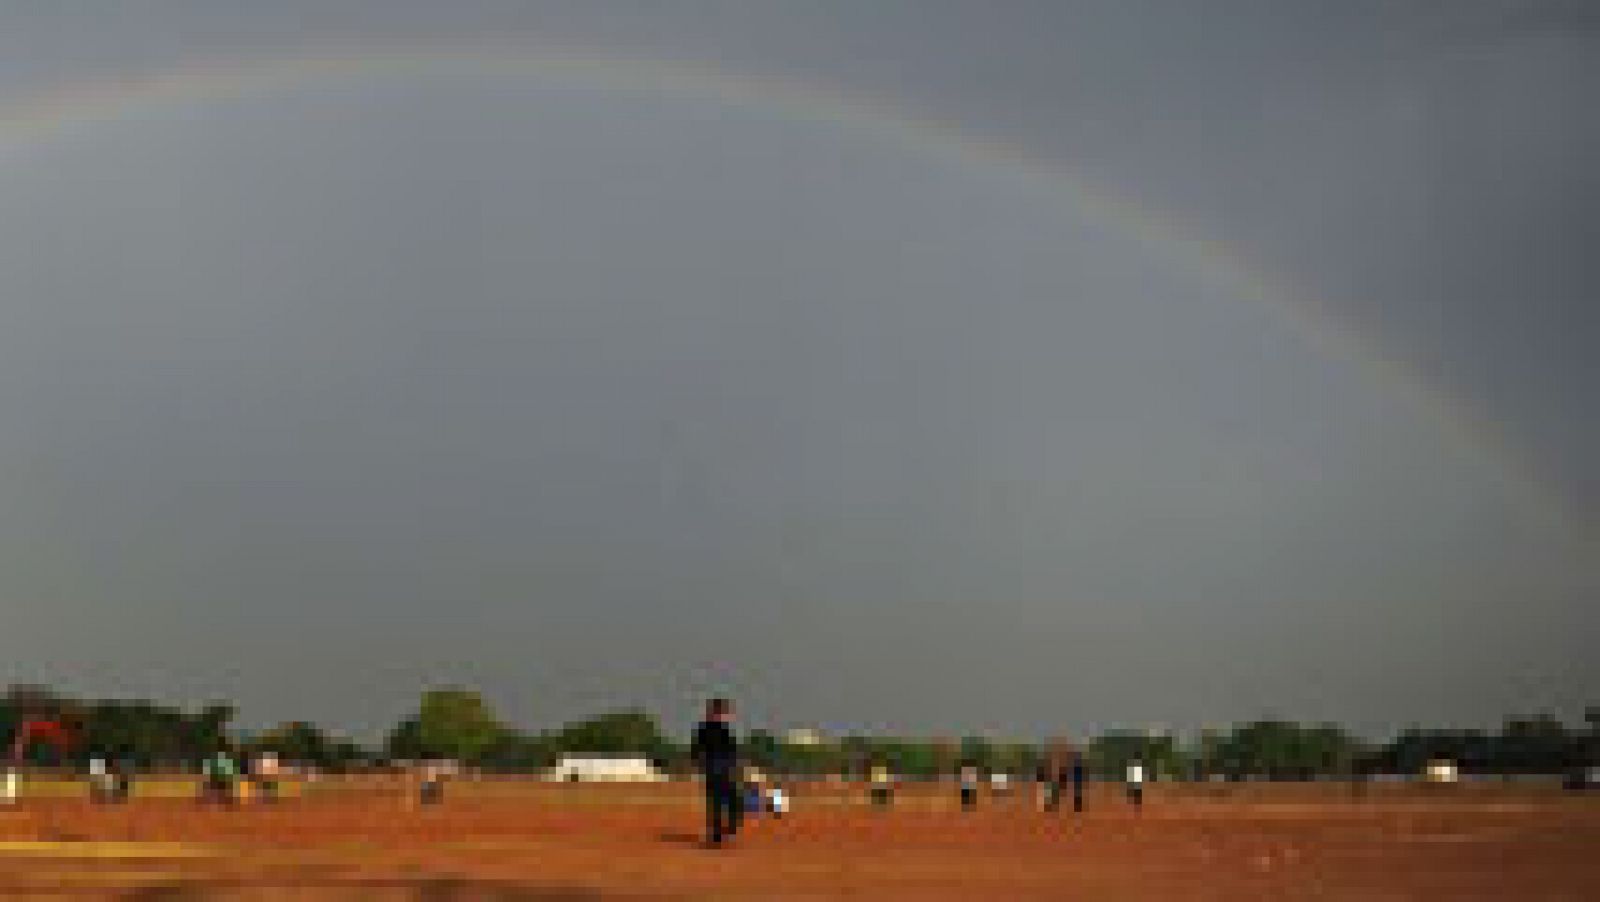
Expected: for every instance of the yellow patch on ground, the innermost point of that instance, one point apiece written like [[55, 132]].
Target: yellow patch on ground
[[90, 849]]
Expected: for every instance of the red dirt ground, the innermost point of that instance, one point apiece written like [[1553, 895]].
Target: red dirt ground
[[497, 841]]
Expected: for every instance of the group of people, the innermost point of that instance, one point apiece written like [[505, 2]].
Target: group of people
[[224, 781], [729, 798]]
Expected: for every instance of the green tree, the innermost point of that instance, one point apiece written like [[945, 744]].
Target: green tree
[[811, 760], [513, 751], [625, 731], [302, 742], [209, 730], [1539, 745], [1015, 758], [450, 723], [1282, 750], [1110, 754], [764, 750], [405, 741], [977, 751]]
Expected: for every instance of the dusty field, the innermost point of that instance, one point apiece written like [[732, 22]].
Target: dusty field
[[519, 841]]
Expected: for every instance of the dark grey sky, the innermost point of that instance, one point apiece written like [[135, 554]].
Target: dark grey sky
[[316, 396]]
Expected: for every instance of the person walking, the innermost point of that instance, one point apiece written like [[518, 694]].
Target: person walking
[[101, 790], [880, 788], [1136, 783], [1078, 777], [265, 772], [1055, 772], [968, 779], [715, 753], [220, 774]]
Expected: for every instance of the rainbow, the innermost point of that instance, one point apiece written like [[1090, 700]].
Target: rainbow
[[55, 114]]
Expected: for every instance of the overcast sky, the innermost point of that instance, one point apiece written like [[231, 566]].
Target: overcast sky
[[589, 394]]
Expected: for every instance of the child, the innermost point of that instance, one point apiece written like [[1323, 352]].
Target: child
[[754, 795], [101, 788], [778, 801], [431, 791], [1052, 778], [219, 774], [881, 786], [1136, 783], [969, 787], [265, 773], [1000, 784]]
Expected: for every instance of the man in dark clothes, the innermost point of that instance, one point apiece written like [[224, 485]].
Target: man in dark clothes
[[1053, 777], [716, 753], [1077, 783]]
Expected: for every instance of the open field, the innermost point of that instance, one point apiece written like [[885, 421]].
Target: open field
[[522, 840]]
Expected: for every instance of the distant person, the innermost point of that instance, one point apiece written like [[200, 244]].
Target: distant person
[[754, 791], [715, 752], [777, 801], [1043, 779], [969, 779], [431, 789], [265, 773], [1078, 777], [880, 786], [1000, 784], [101, 788], [122, 778], [1135, 780], [219, 773], [1054, 774]]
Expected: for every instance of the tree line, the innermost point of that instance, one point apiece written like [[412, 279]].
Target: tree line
[[457, 724]]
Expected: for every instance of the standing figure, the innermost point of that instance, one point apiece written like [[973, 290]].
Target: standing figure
[[1078, 777], [219, 774], [880, 786], [264, 771], [754, 791], [969, 786], [430, 791], [1054, 774], [101, 790], [1136, 783], [715, 752], [1000, 784], [122, 778]]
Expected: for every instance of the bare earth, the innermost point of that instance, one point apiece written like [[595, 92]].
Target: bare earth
[[516, 840]]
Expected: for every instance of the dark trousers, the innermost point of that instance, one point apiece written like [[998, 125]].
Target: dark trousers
[[723, 805], [431, 792], [217, 789], [1054, 792]]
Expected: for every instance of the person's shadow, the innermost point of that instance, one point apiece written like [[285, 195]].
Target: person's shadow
[[681, 838]]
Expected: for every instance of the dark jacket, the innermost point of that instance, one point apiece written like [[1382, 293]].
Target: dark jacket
[[714, 750]]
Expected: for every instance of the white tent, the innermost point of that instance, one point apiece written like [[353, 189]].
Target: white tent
[[604, 769]]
